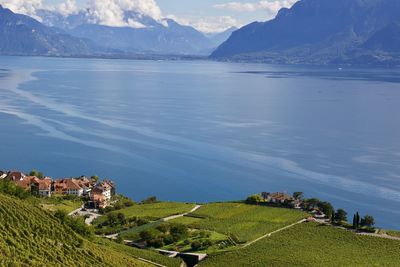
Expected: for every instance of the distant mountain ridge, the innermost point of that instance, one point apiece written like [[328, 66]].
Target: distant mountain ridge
[[23, 35], [164, 36], [321, 31]]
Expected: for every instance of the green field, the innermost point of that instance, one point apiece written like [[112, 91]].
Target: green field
[[30, 236], [157, 210], [244, 222], [313, 245], [57, 203], [394, 233]]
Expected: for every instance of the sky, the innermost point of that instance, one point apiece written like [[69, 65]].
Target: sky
[[204, 15]]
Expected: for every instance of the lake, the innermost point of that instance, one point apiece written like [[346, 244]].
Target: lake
[[208, 131]]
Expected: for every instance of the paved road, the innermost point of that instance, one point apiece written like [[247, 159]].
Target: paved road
[[75, 211], [169, 218], [274, 232]]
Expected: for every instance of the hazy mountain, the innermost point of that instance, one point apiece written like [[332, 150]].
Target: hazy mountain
[[24, 35], [218, 38], [153, 36], [316, 31], [387, 39]]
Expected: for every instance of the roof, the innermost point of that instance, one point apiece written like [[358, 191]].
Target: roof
[[23, 183], [72, 184], [44, 184], [15, 175], [279, 196]]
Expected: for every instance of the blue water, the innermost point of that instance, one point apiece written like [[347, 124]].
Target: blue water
[[207, 131]]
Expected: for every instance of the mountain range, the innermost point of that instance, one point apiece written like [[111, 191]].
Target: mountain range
[[311, 31], [79, 34], [321, 32], [23, 35]]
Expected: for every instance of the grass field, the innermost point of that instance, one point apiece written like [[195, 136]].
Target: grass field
[[245, 222], [156, 211], [394, 233], [313, 245], [54, 204]]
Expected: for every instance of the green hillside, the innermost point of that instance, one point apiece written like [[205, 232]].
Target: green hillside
[[30, 236], [310, 244], [243, 221]]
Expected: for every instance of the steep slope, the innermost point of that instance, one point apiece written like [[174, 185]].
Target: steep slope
[[31, 237], [387, 39], [23, 35], [312, 31]]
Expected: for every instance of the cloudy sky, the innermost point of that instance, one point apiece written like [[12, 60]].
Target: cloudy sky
[[205, 15]]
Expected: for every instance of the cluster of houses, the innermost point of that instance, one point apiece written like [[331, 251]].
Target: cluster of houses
[[285, 199], [281, 198], [98, 193]]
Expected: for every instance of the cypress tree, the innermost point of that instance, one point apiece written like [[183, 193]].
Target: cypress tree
[[354, 221], [357, 220], [333, 216]]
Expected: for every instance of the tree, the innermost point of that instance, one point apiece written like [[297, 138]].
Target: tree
[[37, 174], [196, 245], [179, 231], [333, 217], [95, 178], [341, 215], [254, 199], [298, 195], [150, 200], [367, 221], [265, 195], [326, 208], [356, 221], [148, 235]]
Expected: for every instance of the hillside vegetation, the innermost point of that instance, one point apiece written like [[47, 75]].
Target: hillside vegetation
[[313, 245], [30, 236], [242, 221]]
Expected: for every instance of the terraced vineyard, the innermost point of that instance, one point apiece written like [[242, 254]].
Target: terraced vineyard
[[244, 222], [313, 245], [30, 236]]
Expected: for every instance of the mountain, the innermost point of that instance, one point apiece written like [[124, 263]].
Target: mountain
[[24, 35], [387, 39], [316, 31], [164, 36], [218, 38]]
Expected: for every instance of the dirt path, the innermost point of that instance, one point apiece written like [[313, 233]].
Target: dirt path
[[274, 232]]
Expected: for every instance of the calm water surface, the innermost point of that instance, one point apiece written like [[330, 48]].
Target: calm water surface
[[205, 131]]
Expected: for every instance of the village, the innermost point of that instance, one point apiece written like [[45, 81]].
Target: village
[[97, 194]]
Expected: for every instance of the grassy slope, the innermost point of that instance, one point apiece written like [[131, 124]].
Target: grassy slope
[[246, 222], [312, 245], [54, 204], [153, 211], [30, 236], [394, 233]]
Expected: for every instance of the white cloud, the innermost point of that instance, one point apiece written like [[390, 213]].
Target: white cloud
[[271, 6], [208, 24], [23, 6], [67, 8], [111, 12]]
